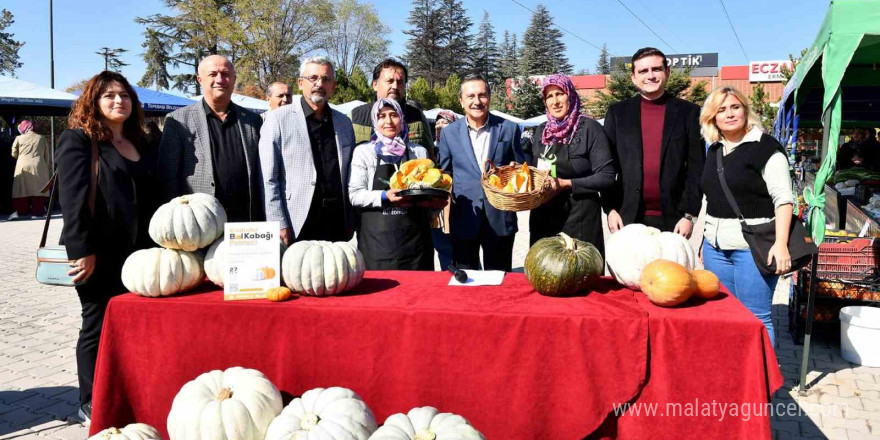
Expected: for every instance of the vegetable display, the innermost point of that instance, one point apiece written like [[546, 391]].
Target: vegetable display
[[562, 266]]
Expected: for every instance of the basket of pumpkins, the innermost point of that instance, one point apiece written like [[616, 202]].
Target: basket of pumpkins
[[515, 187]]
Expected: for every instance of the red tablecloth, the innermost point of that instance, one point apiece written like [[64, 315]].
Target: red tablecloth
[[516, 364]]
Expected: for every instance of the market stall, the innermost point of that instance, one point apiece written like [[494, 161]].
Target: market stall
[[835, 85], [515, 363]]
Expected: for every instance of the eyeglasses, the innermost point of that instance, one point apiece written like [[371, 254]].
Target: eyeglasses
[[314, 79]]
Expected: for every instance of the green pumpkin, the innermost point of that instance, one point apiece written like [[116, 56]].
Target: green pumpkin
[[562, 266]]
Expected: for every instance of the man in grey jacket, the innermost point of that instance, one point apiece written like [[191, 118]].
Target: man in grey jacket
[[212, 147], [305, 153]]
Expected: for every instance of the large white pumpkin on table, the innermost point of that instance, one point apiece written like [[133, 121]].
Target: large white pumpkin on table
[[188, 222], [134, 431], [162, 272], [216, 263], [426, 423], [633, 247], [324, 413], [322, 268], [236, 404]]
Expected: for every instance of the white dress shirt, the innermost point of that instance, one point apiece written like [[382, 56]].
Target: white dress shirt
[[480, 141]]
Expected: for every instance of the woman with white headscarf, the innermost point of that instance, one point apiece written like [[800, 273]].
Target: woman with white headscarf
[[392, 233], [32, 171]]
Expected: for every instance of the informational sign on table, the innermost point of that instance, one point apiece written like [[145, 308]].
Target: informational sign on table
[[253, 259]]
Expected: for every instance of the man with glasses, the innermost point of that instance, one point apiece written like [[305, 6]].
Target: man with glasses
[[305, 152], [211, 146], [389, 81], [278, 94]]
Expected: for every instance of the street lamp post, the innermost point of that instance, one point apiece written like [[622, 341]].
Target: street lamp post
[[51, 78]]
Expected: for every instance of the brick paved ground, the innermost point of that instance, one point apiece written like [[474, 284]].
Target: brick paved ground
[[38, 386]]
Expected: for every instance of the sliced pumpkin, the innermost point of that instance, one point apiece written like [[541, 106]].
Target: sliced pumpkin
[[431, 176], [495, 181], [396, 181], [409, 166], [446, 182]]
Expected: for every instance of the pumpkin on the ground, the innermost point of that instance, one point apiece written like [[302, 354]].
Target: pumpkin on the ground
[[707, 283], [628, 250], [238, 403], [162, 272], [426, 423], [322, 268], [217, 266], [278, 294], [324, 413], [188, 222], [667, 283], [134, 431], [561, 265]]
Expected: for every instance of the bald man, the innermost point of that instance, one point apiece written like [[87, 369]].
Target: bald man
[[212, 146]]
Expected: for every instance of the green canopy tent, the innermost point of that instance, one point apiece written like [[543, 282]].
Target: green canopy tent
[[836, 83]]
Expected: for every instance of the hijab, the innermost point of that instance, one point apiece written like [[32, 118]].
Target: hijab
[[385, 146], [556, 130], [443, 114], [25, 126]]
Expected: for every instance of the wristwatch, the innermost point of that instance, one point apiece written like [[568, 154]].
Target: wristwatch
[[691, 218]]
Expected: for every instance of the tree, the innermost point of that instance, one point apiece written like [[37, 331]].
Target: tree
[[698, 93], [351, 87], [543, 51], [526, 100], [423, 49], [455, 37], [621, 87], [157, 59], [77, 86], [789, 73], [111, 58], [448, 95], [422, 92], [763, 108], [508, 65], [603, 65], [356, 36], [8, 47], [486, 55]]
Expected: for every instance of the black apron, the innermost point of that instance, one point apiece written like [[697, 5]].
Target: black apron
[[579, 216], [394, 237]]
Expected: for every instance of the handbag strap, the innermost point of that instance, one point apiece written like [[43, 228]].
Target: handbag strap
[[729, 195], [93, 191]]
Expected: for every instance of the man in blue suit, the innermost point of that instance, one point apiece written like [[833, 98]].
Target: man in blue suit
[[463, 149]]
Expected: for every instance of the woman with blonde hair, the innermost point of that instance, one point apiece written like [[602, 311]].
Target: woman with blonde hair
[[756, 171]]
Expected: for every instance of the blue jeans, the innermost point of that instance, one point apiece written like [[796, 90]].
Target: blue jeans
[[737, 271], [443, 245]]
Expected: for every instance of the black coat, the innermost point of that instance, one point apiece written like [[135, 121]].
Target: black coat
[[682, 156]]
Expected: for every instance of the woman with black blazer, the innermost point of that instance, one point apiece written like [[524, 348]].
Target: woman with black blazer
[[106, 179]]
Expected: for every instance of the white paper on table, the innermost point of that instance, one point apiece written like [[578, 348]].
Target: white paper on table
[[480, 278]]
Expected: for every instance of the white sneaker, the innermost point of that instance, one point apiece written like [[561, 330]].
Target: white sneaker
[[12, 217]]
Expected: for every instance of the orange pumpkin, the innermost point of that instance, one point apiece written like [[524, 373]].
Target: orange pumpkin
[[707, 284], [667, 283], [268, 273], [278, 294]]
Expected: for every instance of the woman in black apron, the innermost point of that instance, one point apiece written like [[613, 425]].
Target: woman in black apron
[[392, 234], [575, 150]]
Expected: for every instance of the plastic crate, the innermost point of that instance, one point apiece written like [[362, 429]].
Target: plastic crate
[[849, 261]]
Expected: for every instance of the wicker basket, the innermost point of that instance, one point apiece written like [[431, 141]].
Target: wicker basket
[[515, 201]]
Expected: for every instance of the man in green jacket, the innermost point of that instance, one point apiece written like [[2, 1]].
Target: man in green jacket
[[389, 81]]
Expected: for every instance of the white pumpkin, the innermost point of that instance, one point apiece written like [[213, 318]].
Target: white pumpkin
[[236, 404], [426, 423], [633, 247], [322, 268], [134, 431], [188, 222], [324, 413], [216, 266], [162, 272]]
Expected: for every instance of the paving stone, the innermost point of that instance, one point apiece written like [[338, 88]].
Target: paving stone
[[20, 434], [59, 410], [844, 402], [867, 385], [22, 417], [71, 432], [858, 435], [839, 422], [44, 429], [867, 415]]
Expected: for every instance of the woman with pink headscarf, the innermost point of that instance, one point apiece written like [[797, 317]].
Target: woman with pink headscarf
[[32, 171], [573, 147]]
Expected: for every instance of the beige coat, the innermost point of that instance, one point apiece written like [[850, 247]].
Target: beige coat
[[33, 167]]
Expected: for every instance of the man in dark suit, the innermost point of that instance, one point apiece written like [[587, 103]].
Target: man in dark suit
[[463, 148], [655, 139], [211, 147]]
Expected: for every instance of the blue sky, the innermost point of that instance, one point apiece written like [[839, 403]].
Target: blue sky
[[768, 30]]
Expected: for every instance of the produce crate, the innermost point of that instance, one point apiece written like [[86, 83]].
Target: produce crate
[[854, 260]]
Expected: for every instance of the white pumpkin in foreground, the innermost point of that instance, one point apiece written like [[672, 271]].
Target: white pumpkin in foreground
[[188, 222], [134, 431], [162, 272], [322, 268], [216, 263], [633, 247], [426, 423], [324, 413], [236, 404]]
